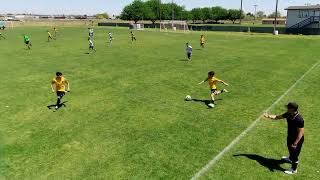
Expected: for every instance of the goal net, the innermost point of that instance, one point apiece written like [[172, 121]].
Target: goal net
[[137, 26], [174, 25]]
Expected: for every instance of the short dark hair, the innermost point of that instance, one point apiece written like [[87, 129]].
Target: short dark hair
[[293, 105], [59, 73], [211, 73]]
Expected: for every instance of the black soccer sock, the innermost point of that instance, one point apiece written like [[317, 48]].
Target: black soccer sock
[[58, 101], [294, 166]]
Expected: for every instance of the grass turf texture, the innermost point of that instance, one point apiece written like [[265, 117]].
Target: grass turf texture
[[126, 117]]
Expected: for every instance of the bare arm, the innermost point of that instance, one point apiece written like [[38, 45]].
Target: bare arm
[[52, 88], [68, 86], [203, 81], [223, 82], [273, 117], [300, 135]]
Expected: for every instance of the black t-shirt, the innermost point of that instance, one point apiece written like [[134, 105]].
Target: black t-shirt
[[294, 123]]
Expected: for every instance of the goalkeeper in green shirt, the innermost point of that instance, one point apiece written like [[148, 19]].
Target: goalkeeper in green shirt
[[27, 42]]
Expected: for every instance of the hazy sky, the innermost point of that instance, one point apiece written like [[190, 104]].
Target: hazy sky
[[115, 6]]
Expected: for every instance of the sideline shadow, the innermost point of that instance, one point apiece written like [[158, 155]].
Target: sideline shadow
[[63, 104], [271, 164]]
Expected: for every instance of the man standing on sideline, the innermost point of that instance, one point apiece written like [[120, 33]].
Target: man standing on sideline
[[295, 136]]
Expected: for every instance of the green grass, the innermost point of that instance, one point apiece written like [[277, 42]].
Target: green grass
[[126, 117]]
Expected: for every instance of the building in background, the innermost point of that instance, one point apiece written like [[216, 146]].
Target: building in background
[[303, 17]]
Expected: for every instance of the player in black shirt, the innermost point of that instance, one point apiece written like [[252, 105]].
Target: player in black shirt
[[295, 136]]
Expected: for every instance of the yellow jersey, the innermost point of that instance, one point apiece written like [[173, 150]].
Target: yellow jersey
[[60, 83], [213, 82], [202, 40]]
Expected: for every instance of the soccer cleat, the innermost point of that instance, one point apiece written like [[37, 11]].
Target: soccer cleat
[[291, 171], [286, 159], [211, 105]]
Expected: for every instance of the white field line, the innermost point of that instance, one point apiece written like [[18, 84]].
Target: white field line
[[216, 158]]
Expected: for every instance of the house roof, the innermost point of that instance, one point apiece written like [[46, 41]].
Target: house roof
[[316, 7]]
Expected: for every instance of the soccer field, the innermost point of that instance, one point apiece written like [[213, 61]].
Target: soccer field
[[126, 117]]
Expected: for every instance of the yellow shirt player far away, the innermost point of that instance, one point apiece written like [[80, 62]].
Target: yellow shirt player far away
[[49, 36], [213, 81], [58, 85], [202, 41]]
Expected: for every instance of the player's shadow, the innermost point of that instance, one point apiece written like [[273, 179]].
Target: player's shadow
[[271, 164], [206, 102], [183, 60], [63, 104]]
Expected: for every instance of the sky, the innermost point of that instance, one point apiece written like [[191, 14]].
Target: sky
[[114, 7]]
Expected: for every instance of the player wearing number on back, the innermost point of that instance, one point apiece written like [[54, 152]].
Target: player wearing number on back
[[110, 37], [202, 41], [58, 85], [213, 81], [27, 42], [91, 46]]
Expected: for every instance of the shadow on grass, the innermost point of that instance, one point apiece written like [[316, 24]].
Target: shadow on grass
[[206, 102], [271, 164], [183, 60], [63, 104]]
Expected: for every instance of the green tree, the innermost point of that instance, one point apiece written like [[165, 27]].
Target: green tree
[[197, 14], [102, 16], [206, 14], [235, 14], [134, 11], [260, 15], [152, 11], [273, 15], [219, 13]]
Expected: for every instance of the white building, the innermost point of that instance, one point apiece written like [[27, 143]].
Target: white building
[[303, 17]]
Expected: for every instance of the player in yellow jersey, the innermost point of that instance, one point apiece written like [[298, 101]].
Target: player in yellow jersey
[[50, 37], [60, 85], [202, 41], [55, 32], [133, 37], [213, 81]]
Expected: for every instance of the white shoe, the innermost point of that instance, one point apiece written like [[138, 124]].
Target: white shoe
[[286, 159], [211, 105], [224, 90], [291, 171]]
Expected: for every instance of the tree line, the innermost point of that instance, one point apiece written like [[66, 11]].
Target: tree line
[[155, 10]]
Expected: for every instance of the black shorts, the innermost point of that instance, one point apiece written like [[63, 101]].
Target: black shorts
[[214, 91], [27, 42], [61, 93], [201, 44], [189, 55]]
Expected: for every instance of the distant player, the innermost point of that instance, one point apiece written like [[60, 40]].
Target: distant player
[[133, 37], [91, 33], [110, 37], [1, 36], [202, 41], [189, 51], [50, 37], [58, 85], [213, 81], [55, 32], [27, 42], [91, 46]]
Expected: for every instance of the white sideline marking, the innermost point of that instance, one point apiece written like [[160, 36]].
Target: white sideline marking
[[215, 159]]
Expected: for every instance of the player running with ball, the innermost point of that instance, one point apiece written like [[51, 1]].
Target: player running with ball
[[213, 81]]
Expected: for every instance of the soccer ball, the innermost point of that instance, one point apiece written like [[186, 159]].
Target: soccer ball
[[188, 98], [211, 105]]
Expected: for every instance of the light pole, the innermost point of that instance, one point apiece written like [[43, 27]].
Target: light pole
[[255, 12], [276, 17], [241, 7]]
